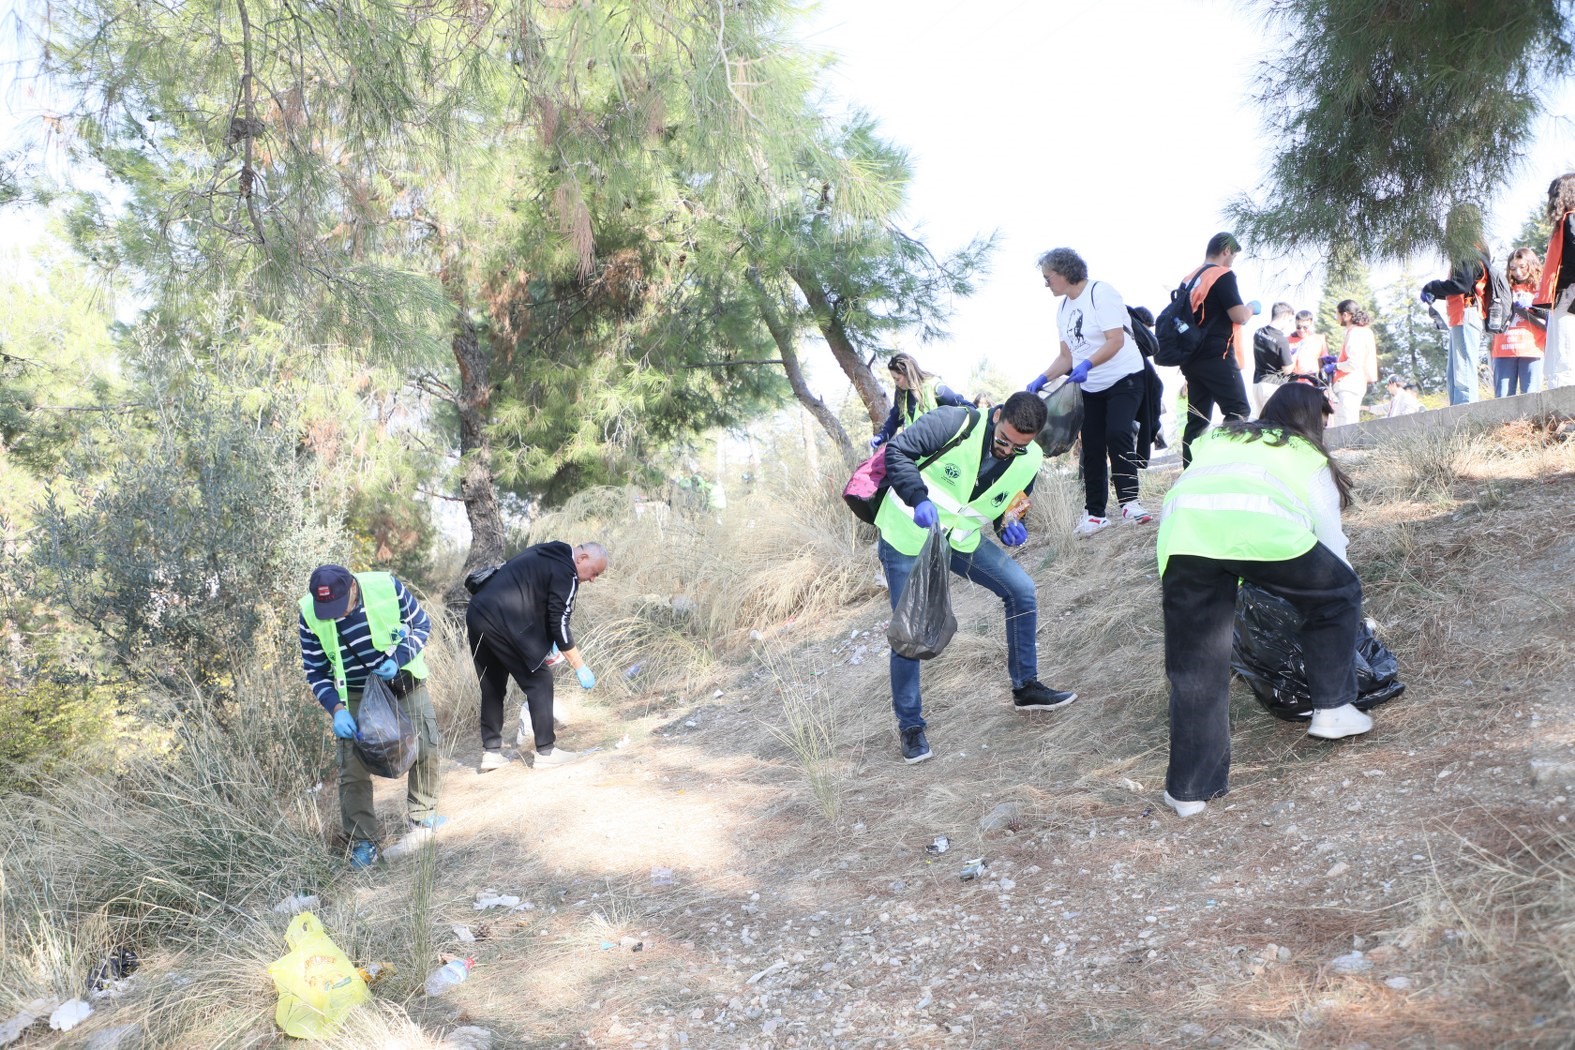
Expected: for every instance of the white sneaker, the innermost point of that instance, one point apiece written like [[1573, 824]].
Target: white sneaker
[[1185, 809], [491, 760], [1336, 723], [558, 756], [1135, 513], [1090, 525]]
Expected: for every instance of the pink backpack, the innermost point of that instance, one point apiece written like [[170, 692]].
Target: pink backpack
[[867, 487]]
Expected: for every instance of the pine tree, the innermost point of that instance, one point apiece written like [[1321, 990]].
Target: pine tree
[[1394, 113]]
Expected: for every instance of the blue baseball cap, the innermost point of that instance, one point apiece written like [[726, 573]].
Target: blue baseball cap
[[330, 590]]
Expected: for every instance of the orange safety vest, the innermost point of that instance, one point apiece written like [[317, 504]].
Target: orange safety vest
[[1551, 265], [1200, 292], [1521, 338]]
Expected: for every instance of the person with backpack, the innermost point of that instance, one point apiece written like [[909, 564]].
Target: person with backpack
[[1272, 355], [1260, 503], [517, 620], [1518, 349], [974, 466], [1556, 291], [916, 392], [352, 627], [1213, 372], [1099, 352]]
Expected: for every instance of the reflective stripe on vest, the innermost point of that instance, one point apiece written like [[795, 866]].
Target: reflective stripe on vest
[[383, 618]]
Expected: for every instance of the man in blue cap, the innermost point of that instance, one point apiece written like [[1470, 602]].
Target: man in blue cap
[[354, 626]]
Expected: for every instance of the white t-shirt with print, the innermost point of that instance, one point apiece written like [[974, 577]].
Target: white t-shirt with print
[[1083, 323]]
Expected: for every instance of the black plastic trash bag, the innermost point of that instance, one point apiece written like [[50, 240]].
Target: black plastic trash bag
[[1064, 406], [385, 737], [922, 623], [1267, 653]]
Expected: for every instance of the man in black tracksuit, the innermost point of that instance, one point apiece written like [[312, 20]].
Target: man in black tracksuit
[[515, 621]]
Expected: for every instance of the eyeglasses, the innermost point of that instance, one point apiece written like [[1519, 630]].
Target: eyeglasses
[[1304, 327], [1017, 450]]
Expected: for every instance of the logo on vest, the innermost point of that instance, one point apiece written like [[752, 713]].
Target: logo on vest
[[1000, 498], [953, 471]]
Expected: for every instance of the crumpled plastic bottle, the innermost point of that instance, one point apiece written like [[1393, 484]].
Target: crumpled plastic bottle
[[453, 972]]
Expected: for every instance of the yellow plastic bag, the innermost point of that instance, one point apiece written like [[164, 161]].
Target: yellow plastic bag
[[318, 986]]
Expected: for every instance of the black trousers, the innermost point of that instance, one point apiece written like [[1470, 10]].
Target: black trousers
[[497, 660], [1200, 610], [1110, 437], [1211, 381]]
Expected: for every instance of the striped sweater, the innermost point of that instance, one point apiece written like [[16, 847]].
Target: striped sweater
[[355, 643]]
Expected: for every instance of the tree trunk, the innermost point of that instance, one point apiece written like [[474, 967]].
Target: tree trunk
[[795, 373], [476, 486], [876, 403]]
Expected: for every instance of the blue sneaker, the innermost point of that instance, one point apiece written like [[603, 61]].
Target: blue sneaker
[[363, 855], [914, 747]]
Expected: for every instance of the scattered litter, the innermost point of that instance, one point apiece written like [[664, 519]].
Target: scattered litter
[[487, 899], [463, 933], [633, 670], [690, 723], [371, 973], [780, 964], [973, 869], [1132, 785], [296, 903], [754, 636], [522, 906], [120, 1037], [12, 1030], [638, 946], [939, 846], [69, 1014], [471, 1037], [1148, 811], [607, 946], [119, 964], [453, 972], [717, 695], [1003, 816], [661, 876], [623, 741], [315, 788], [1399, 982], [318, 985]]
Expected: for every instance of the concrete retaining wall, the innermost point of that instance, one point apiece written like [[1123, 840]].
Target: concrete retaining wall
[[1492, 412]]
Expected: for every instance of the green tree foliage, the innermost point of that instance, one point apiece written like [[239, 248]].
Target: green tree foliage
[[1411, 342], [1348, 277], [1393, 112]]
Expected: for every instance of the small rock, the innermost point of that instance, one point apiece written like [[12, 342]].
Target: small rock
[[1350, 963], [121, 1037], [1337, 870], [1192, 1031], [1399, 982]]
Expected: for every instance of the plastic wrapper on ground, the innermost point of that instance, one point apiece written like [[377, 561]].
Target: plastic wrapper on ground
[[1267, 653], [317, 984], [922, 623], [385, 736]]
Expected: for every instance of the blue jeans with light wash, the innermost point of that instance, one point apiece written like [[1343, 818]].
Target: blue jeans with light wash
[[993, 569], [1465, 350], [1516, 375]]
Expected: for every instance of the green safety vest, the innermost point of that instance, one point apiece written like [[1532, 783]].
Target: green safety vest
[[923, 399], [382, 615], [950, 480], [1242, 501]]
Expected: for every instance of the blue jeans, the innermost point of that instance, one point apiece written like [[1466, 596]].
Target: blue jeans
[[991, 568], [1465, 349], [1516, 375]]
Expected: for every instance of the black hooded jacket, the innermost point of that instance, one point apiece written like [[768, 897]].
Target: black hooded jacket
[[528, 602]]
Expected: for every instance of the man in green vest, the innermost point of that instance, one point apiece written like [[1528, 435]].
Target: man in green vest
[[353, 626], [973, 465]]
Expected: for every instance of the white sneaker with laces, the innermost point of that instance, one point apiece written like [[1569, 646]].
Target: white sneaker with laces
[[491, 760], [1135, 513], [558, 756], [1337, 723], [1185, 809], [1090, 525]]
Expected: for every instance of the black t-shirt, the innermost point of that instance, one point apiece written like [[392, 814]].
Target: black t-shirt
[[1223, 295], [1271, 352]]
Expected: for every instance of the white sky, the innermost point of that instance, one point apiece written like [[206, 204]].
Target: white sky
[[1030, 117]]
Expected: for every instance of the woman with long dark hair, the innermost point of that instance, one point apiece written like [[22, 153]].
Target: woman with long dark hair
[[1261, 502], [1357, 366]]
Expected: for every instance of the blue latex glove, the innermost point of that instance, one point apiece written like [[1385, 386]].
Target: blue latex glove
[[1428, 297], [1015, 534], [1256, 307], [1036, 383], [387, 669], [925, 514], [876, 441], [344, 724], [1079, 372], [587, 679]]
